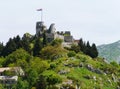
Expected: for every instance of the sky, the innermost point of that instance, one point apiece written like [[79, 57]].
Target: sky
[[96, 21]]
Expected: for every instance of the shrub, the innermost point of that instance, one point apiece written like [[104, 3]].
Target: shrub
[[52, 77], [51, 52], [71, 54], [52, 66], [56, 42]]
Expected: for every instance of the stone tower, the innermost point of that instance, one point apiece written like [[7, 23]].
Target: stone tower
[[40, 29], [52, 28]]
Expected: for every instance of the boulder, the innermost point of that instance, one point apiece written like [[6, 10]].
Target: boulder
[[113, 78], [94, 78], [81, 65], [88, 77], [89, 67], [98, 71], [118, 87], [63, 71]]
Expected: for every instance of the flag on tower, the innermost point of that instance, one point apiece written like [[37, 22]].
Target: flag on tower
[[39, 9]]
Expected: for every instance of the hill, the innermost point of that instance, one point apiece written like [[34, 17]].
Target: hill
[[111, 52], [59, 68], [52, 66]]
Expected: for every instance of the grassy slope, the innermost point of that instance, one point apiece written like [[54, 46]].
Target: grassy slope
[[85, 78]]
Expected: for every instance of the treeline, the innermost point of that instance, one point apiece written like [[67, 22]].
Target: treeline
[[33, 45], [16, 43], [87, 49], [30, 43]]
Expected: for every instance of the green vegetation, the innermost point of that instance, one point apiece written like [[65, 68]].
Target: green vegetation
[[51, 66], [87, 49], [110, 52]]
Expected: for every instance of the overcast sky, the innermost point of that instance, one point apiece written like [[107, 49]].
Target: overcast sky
[[97, 21]]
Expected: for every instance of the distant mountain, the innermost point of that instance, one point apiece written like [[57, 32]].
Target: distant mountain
[[111, 52]]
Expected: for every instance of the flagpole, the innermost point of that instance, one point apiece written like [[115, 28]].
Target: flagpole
[[41, 15]]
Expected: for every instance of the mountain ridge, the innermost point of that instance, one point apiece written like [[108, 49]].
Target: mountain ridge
[[111, 52]]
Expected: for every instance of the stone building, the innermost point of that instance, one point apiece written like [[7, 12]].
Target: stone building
[[52, 34], [9, 76]]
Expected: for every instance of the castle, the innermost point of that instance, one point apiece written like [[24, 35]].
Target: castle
[[52, 34]]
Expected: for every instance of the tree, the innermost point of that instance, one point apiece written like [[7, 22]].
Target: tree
[[19, 54], [9, 48], [1, 86], [88, 48], [26, 42], [41, 82], [37, 66], [2, 60], [22, 84], [94, 51], [18, 41], [37, 47], [81, 45], [51, 52], [44, 39], [32, 77], [1, 48], [57, 42]]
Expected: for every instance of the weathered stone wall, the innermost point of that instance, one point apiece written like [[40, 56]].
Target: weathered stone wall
[[68, 38]]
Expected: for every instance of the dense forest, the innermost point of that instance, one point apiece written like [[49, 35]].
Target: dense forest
[[52, 66]]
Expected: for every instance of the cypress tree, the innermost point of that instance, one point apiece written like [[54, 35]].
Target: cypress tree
[[44, 39], [88, 48], [1, 48], [81, 45], [94, 51]]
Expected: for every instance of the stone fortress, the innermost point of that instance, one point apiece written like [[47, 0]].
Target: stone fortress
[[52, 34]]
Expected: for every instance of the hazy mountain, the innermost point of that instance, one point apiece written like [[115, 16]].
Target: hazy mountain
[[110, 51]]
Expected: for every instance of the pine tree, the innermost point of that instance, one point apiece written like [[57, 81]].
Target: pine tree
[[37, 47], [9, 48]]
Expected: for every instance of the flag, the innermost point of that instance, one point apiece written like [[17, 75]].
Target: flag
[[39, 9]]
